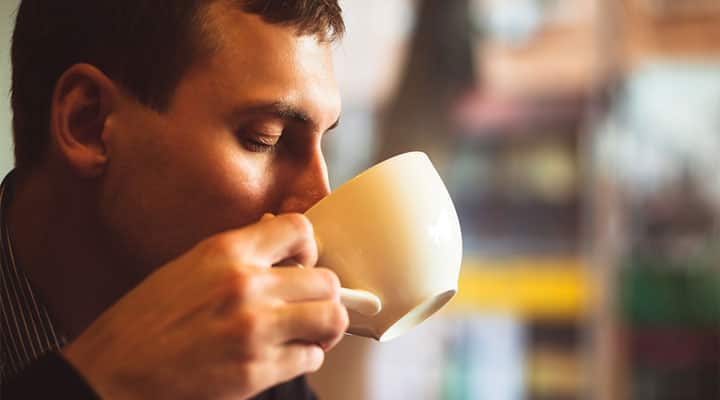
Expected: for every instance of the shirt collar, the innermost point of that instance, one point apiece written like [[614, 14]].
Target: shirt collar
[[26, 328]]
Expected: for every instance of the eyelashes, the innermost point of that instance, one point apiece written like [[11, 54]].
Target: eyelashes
[[262, 141], [258, 147], [259, 143]]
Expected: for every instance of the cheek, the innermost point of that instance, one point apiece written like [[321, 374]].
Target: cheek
[[161, 197], [235, 185]]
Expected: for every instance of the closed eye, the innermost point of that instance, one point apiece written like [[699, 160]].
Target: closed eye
[[261, 143]]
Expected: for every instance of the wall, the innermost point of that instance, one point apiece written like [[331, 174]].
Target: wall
[[7, 14]]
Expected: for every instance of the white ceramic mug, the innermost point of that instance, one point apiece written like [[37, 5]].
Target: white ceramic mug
[[392, 236]]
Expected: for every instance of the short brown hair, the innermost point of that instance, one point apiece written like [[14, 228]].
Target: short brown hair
[[145, 45]]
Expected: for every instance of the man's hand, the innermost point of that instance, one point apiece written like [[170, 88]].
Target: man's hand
[[218, 322]]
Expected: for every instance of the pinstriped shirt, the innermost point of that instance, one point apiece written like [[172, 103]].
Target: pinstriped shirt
[[26, 329], [27, 332]]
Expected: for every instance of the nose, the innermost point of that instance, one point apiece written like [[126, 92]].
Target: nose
[[307, 184]]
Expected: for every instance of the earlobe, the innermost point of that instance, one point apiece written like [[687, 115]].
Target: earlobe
[[81, 103]]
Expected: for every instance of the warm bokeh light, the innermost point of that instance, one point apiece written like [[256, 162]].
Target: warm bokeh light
[[580, 142]]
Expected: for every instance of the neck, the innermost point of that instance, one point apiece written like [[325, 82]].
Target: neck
[[58, 242]]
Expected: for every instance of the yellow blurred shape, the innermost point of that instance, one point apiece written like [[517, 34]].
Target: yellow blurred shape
[[527, 287]]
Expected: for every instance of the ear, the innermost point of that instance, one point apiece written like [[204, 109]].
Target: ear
[[82, 100]]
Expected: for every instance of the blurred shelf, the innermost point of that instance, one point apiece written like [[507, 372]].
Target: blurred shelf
[[481, 114], [530, 288]]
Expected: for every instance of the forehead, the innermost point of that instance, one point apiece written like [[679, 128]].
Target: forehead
[[250, 60]]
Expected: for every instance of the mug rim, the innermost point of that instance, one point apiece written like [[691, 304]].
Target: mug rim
[[382, 164]]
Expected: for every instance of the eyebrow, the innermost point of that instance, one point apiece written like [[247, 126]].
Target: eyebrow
[[285, 111]]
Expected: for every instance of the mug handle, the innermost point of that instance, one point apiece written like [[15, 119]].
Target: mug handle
[[361, 301]]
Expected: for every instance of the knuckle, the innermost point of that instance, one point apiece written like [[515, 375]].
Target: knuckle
[[243, 283], [313, 359], [337, 319], [344, 318], [300, 223], [331, 280]]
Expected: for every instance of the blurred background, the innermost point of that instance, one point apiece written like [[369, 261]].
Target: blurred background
[[580, 140]]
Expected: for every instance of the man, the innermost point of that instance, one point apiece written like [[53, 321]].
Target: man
[[150, 139]]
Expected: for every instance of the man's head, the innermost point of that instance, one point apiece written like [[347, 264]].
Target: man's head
[[145, 45], [181, 118]]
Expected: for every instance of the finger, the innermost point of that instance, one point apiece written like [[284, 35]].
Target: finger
[[279, 364], [275, 239], [303, 284], [288, 236], [321, 322], [295, 359]]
